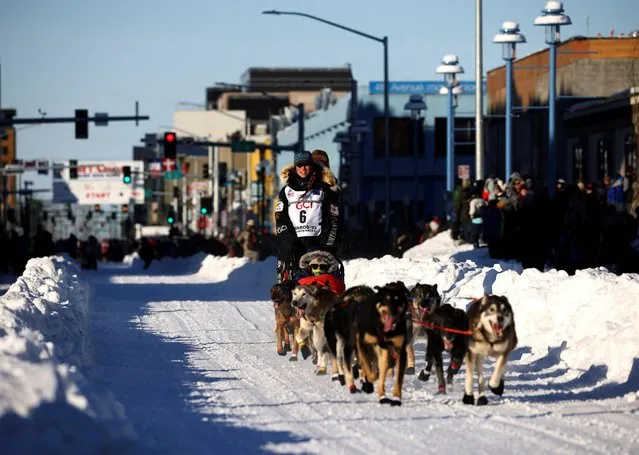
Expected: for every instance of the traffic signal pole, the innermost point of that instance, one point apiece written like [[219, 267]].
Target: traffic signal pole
[[216, 190]]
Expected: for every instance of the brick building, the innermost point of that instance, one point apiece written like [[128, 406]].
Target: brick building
[[588, 70], [7, 155]]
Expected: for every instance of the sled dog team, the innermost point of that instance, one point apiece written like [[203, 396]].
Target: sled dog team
[[369, 332]]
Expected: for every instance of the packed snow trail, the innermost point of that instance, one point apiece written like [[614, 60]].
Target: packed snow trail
[[192, 358]]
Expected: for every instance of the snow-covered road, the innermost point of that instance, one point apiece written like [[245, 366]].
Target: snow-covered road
[[192, 359]]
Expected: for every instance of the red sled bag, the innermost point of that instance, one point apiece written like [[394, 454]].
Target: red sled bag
[[336, 284]]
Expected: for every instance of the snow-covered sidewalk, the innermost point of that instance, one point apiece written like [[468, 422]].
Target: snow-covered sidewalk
[[46, 403]]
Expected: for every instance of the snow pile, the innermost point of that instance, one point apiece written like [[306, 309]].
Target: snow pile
[[46, 404], [589, 318], [441, 246]]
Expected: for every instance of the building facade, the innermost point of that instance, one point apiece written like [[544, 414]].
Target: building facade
[[595, 70], [417, 158]]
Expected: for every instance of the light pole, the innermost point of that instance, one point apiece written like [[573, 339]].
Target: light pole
[[387, 142], [450, 68], [415, 105], [508, 37], [552, 17]]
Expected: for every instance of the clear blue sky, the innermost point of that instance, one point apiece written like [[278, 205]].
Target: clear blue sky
[[66, 54]]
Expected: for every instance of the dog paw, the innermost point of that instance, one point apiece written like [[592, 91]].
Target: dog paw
[[320, 372], [367, 387], [353, 388], [468, 399], [342, 379], [355, 370], [482, 401], [306, 352], [396, 401], [423, 376], [292, 358], [410, 371], [385, 400], [499, 390], [282, 353], [335, 377], [441, 390]]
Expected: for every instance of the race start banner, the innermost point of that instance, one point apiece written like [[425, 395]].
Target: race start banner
[[99, 183]]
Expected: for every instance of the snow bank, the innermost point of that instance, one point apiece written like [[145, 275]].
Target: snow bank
[[593, 313], [46, 404]]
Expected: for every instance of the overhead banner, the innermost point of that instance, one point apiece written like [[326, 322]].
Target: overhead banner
[[99, 183]]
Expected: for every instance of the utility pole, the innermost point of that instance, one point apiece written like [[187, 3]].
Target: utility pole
[[479, 94], [216, 190]]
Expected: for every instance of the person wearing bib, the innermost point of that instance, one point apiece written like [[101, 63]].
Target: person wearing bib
[[307, 213]]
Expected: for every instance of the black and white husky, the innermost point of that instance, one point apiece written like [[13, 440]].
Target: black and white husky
[[492, 327]]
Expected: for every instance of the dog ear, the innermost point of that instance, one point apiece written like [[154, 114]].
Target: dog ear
[[435, 286]]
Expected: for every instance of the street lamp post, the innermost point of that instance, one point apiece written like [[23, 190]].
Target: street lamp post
[[384, 41], [552, 18], [415, 105], [508, 37], [450, 68]]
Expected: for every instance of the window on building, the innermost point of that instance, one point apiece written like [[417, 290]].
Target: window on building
[[464, 135], [604, 160], [402, 136], [630, 147], [578, 164]]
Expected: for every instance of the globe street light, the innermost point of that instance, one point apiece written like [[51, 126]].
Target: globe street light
[[552, 17], [450, 68], [415, 105], [508, 37]]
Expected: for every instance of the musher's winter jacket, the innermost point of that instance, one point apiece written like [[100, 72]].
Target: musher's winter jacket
[[308, 213]]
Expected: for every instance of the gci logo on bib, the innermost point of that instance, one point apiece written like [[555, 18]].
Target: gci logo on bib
[[305, 211]]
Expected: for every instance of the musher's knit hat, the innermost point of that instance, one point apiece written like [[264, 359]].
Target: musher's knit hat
[[303, 158]]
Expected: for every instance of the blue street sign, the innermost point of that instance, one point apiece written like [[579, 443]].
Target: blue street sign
[[173, 175], [417, 87]]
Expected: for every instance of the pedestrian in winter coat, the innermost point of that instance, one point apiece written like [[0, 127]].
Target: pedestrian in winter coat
[[475, 211], [249, 239], [307, 213]]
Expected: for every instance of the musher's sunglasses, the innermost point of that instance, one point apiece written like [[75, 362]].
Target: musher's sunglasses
[[322, 267]]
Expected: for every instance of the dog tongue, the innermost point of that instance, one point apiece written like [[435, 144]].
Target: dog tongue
[[388, 323], [497, 329]]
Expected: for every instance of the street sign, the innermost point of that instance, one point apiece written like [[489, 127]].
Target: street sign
[[13, 169], [243, 146], [173, 175], [101, 119]]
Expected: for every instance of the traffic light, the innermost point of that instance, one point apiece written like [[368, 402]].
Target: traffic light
[[125, 208], [73, 169], [170, 145], [126, 174], [206, 205], [81, 124], [205, 171], [171, 216]]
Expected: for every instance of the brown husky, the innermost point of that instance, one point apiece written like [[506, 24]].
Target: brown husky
[[492, 326], [285, 320], [311, 304]]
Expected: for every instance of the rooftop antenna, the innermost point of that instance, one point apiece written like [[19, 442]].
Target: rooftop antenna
[[588, 26]]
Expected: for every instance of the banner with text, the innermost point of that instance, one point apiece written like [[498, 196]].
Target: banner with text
[[99, 183]]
